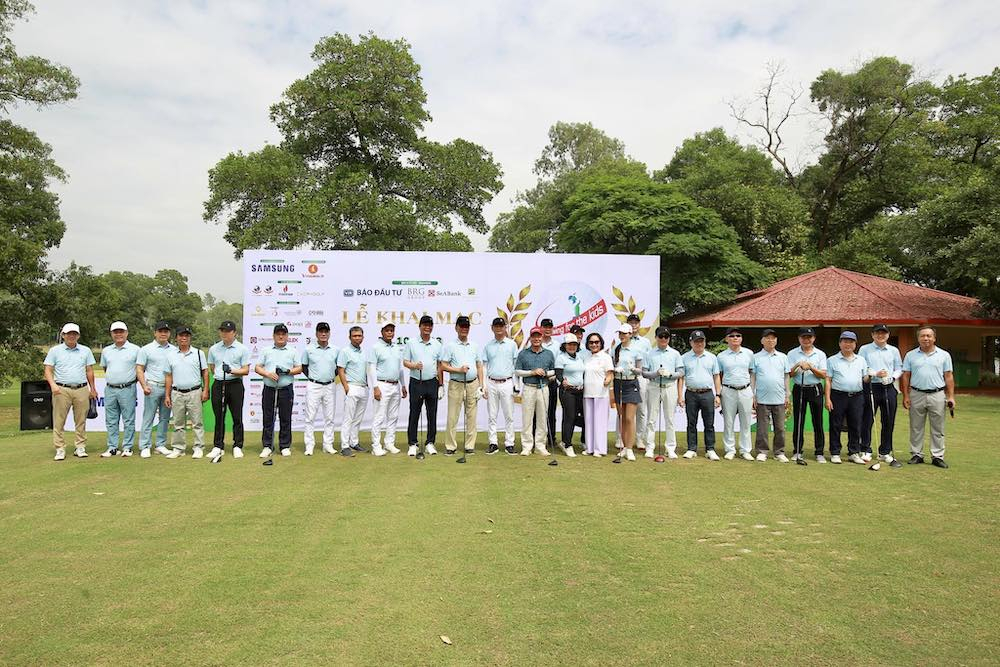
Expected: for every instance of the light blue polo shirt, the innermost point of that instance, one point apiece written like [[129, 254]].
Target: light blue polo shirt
[[429, 354], [847, 374], [458, 353], [640, 344], [572, 368], [629, 358], [322, 362], [736, 367], [668, 358], [155, 360], [552, 346], [119, 362], [286, 357], [236, 355], [817, 358], [699, 371], [771, 371], [184, 366], [388, 360], [499, 358], [882, 359], [927, 370], [352, 360], [69, 364]]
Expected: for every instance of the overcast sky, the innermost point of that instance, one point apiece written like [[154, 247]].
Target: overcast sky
[[169, 88]]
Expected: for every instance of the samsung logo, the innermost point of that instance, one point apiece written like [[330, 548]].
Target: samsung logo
[[272, 268]]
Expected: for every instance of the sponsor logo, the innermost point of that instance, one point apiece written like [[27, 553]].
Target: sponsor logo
[[256, 289], [472, 291], [253, 340], [348, 292], [311, 294], [269, 290], [416, 292], [291, 313], [316, 312], [272, 268], [313, 268], [378, 291]]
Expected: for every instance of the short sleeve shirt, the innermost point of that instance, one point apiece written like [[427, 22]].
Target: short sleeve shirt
[[927, 370], [352, 360], [628, 358], [388, 360], [771, 371], [273, 358], [236, 355], [458, 353], [595, 370], [847, 374], [499, 358], [667, 358], [185, 367], [882, 359], [699, 370], [119, 363], [69, 364], [155, 360], [572, 368], [736, 367], [429, 353], [807, 378], [322, 362]]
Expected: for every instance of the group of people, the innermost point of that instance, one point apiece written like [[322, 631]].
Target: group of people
[[642, 382]]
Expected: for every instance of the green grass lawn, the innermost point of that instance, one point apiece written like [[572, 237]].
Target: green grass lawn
[[369, 561]]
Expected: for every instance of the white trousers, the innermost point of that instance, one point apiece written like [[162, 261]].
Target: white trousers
[[354, 410], [500, 396], [662, 400], [386, 415], [320, 400], [736, 403]]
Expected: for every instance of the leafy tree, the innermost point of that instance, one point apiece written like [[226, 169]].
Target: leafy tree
[[207, 322], [353, 170], [969, 119]]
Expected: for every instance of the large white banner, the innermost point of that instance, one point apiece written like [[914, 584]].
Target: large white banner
[[368, 289]]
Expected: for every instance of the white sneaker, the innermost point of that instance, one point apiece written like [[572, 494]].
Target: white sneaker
[[855, 458], [108, 453], [671, 455], [237, 452], [762, 457], [197, 453], [542, 451], [80, 453], [309, 451], [145, 453], [820, 458], [162, 450], [585, 453], [286, 451], [867, 457], [729, 456], [746, 456], [597, 455], [629, 455], [429, 450], [392, 449], [689, 454], [266, 452], [526, 452], [570, 453], [377, 450], [561, 446], [60, 454], [126, 453], [329, 450], [888, 458], [711, 455], [650, 453], [781, 458], [835, 459], [411, 450], [175, 453]]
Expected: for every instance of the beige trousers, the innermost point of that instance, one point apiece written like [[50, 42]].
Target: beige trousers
[[187, 406], [460, 393], [79, 401]]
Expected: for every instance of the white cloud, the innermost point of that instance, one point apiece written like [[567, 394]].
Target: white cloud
[[170, 88]]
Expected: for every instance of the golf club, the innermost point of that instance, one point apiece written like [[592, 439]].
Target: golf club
[[218, 457], [801, 445], [420, 423], [875, 425], [885, 411], [618, 421], [465, 421], [659, 424]]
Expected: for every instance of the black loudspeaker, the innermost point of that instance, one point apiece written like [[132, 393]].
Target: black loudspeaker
[[36, 406]]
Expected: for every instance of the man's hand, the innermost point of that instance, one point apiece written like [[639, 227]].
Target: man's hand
[[718, 401], [93, 393], [829, 405], [882, 373], [403, 389], [540, 372], [418, 366], [482, 392], [56, 390], [204, 394], [167, 402], [906, 402], [680, 401], [273, 376], [377, 394], [664, 373], [463, 369], [146, 390]]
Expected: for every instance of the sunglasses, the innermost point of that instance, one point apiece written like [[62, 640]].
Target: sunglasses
[[735, 336], [593, 342]]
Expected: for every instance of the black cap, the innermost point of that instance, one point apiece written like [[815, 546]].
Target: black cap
[[463, 321], [227, 325], [880, 327], [663, 332], [322, 326], [576, 329], [280, 328], [388, 325], [499, 322], [546, 322], [162, 324], [184, 330], [426, 319], [632, 317], [734, 330], [697, 334], [807, 331], [768, 332]]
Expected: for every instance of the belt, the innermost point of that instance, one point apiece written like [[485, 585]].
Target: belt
[[539, 383], [462, 381], [318, 382], [71, 386], [922, 391], [188, 390], [729, 386], [698, 391], [358, 384], [120, 386], [810, 387], [499, 379], [232, 380], [666, 383], [573, 390], [413, 379], [845, 393], [390, 381]]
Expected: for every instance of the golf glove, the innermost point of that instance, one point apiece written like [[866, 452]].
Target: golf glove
[[440, 393], [664, 373], [226, 368]]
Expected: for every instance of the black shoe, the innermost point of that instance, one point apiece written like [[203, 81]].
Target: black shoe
[[510, 451], [449, 452], [358, 448], [347, 451], [916, 458], [493, 449], [938, 463], [470, 452], [895, 464]]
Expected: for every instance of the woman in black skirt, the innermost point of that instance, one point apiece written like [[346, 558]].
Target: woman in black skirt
[[628, 366]]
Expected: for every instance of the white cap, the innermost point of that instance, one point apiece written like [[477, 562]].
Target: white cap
[[69, 326], [570, 338], [118, 324], [625, 328]]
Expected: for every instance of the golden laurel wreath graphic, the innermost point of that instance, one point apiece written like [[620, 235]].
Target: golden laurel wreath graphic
[[625, 308], [515, 313]]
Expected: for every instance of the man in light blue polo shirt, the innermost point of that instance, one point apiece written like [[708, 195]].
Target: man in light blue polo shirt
[[352, 368], [499, 356], [319, 363], [69, 370], [885, 366], [807, 369], [229, 363], [152, 368], [422, 357], [278, 365], [771, 399], [189, 371], [385, 365], [663, 367], [118, 361], [845, 397], [928, 384], [737, 371], [699, 390], [463, 361]]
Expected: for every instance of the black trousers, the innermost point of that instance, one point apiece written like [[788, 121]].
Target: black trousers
[[422, 392], [703, 404], [812, 398], [285, 397], [572, 413], [234, 401], [848, 411], [884, 397]]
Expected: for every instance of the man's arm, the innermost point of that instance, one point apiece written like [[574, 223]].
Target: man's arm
[[949, 387], [904, 386], [93, 385], [51, 380]]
